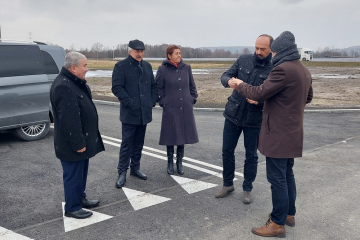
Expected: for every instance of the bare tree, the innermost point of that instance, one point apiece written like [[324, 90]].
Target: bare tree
[[97, 48], [352, 53], [245, 51], [344, 53], [72, 47]]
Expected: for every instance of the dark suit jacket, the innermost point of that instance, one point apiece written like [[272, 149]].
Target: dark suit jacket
[[285, 92], [135, 88], [75, 118]]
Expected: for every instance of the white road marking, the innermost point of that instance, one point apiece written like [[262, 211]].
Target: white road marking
[[6, 234], [165, 158], [185, 158], [139, 200], [73, 223], [191, 185]]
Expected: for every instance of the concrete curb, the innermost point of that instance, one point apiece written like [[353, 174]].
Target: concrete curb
[[101, 102]]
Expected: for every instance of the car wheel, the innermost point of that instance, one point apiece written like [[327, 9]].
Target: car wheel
[[32, 132]]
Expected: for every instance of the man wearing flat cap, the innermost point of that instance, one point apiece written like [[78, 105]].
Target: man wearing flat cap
[[286, 92], [134, 85]]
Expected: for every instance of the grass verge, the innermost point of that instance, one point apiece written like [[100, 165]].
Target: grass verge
[[109, 64]]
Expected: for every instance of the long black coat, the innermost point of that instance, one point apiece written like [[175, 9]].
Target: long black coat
[[135, 88], [177, 93], [75, 118], [253, 71]]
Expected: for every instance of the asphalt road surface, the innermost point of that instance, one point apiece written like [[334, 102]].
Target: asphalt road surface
[[182, 207]]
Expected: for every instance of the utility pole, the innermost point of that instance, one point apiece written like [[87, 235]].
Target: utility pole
[[0, 33], [113, 51]]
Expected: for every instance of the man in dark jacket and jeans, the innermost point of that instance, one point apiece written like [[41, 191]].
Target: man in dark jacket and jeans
[[244, 115], [134, 85], [76, 132]]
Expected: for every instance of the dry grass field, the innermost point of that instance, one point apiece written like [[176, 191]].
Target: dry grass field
[[109, 64], [335, 84]]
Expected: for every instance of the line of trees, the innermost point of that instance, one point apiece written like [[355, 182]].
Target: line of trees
[[331, 52], [99, 51]]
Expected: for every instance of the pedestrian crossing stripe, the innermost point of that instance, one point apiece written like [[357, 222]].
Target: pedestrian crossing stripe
[[73, 223], [191, 185], [140, 200]]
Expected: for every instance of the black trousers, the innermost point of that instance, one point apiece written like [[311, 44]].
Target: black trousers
[[279, 172], [132, 143], [231, 136], [74, 178]]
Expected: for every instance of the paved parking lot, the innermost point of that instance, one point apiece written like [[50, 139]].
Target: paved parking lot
[[182, 207]]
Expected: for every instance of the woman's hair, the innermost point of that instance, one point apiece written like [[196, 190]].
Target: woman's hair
[[170, 50]]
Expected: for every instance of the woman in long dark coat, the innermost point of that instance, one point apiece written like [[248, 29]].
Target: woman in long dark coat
[[177, 95]]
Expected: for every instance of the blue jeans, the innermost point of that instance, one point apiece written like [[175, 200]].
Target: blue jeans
[[231, 136], [280, 174], [132, 143], [74, 178]]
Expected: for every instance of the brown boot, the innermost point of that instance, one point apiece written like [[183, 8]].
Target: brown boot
[[225, 191], [290, 221], [247, 198], [270, 229]]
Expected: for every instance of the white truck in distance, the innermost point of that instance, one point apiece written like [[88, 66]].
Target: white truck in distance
[[306, 54]]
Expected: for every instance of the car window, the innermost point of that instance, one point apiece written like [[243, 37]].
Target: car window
[[20, 60], [50, 65]]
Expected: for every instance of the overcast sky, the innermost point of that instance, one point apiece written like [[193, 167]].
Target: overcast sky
[[192, 23]]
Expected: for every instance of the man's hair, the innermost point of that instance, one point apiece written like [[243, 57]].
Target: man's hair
[[270, 38], [170, 50], [130, 49], [73, 58]]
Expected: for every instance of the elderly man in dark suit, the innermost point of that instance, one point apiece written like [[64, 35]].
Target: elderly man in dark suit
[[286, 92], [76, 134], [134, 85]]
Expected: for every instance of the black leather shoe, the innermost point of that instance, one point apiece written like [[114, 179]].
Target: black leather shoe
[[79, 214], [121, 180], [89, 203], [139, 174]]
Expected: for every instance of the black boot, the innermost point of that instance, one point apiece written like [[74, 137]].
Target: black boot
[[121, 180], [170, 155], [179, 157]]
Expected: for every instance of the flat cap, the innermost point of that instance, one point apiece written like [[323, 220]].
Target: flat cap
[[137, 45]]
